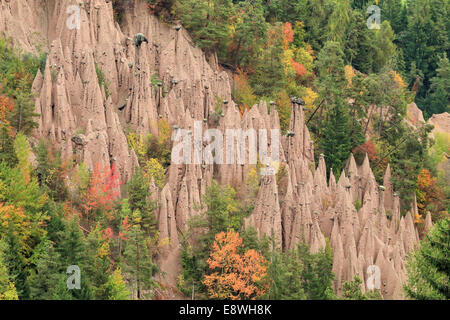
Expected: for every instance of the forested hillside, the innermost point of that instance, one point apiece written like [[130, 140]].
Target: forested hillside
[[88, 118]]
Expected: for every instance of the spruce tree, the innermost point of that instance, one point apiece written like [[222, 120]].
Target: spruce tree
[[46, 273], [7, 288], [285, 272], [72, 250], [7, 153], [336, 143], [429, 267], [15, 260], [439, 97], [137, 262]]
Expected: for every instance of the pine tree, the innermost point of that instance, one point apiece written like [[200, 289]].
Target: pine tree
[[14, 258], [97, 263], [339, 20], [268, 77], [22, 117], [139, 200], [352, 291], [358, 44], [249, 32], [395, 12], [72, 249], [429, 267], [7, 153], [285, 10], [336, 143], [383, 46], [439, 96], [115, 287], [425, 41], [7, 288], [316, 21], [208, 21], [137, 262], [286, 276], [318, 272], [47, 271]]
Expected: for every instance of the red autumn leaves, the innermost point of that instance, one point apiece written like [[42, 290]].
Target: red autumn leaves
[[103, 189], [288, 38]]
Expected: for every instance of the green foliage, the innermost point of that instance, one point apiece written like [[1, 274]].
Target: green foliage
[[339, 20], [409, 153], [17, 73], [160, 147], [284, 106], [153, 169], [268, 77], [138, 263], [155, 80], [7, 153], [285, 272], [102, 80], [50, 172], [318, 273], [47, 271], [139, 200], [439, 94], [383, 47], [429, 267], [352, 291], [222, 214], [298, 274], [243, 93], [115, 287], [7, 288], [249, 32], [119, 7], [336, 144], [208, 21], [358, 204]]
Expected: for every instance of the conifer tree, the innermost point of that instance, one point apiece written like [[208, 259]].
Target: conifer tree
[[72, 250], [352, 291], [335, 142], [429, 267], [137, 262], [7, 153], [14, 258], [439, 97], [115, 287], [7, 288], [286, 276], [47, 271]]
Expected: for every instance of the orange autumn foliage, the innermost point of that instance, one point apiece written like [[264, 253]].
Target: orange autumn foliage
[[103, 189], [243, 92], [288, 35], [299, 68], [15, 219], [6, 106], [429, 195], [236, 276], [125, 227]]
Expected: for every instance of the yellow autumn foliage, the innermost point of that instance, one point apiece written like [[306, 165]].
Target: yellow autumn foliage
[[310, 97], [349, 74]]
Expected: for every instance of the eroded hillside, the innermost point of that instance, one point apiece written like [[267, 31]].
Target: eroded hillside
[[89, 122]]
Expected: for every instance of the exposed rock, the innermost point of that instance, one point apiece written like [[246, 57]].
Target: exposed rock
[[308, 207]]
